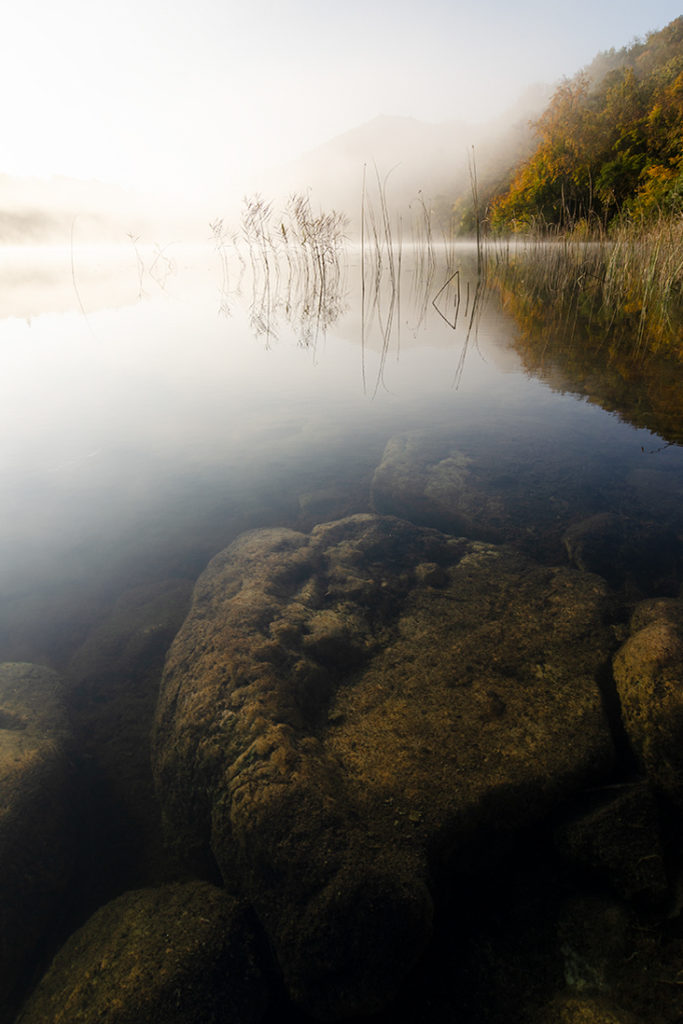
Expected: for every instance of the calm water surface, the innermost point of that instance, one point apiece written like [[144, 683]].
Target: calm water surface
[[154, 404], [152, 407]]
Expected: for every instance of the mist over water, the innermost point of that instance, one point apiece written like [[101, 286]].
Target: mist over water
[[341, 562], [159, 402], [153, 405]]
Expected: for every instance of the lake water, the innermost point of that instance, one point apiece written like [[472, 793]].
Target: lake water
[[155, 404], [143, 416]]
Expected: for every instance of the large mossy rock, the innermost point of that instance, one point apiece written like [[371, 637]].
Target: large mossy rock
[[35, 797], [179, 954], [347, 715], [648, 671]]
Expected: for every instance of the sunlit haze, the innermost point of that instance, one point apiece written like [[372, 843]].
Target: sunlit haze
[[188, 98]]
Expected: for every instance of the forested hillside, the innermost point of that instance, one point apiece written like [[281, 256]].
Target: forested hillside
[[609, 144]]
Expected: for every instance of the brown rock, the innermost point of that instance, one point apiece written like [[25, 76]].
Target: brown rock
[[343, 712], [618, 840], [35, 834], [180, 954], [578, 1009], [648, 671]]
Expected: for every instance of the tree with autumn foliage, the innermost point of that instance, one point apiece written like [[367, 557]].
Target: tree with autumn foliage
[[609, 144]]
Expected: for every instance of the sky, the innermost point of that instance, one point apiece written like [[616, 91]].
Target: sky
[[183, 98]]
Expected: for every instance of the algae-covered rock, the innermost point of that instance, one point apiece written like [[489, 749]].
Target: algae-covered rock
[[421, 480], [641, 558], [618, 840], [577, 1009], [35, 791], [180, 954], [648, 671], [503, 494], [344, 713]]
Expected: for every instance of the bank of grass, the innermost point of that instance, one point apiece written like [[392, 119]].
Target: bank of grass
[[625, 287]]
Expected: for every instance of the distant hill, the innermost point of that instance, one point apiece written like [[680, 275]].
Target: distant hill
[[417, 157], [414, 154]]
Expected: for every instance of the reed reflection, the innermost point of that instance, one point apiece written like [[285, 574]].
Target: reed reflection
[[435, 272], [298, 267]]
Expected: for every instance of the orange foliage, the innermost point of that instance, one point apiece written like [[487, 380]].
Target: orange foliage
[[608, 147]]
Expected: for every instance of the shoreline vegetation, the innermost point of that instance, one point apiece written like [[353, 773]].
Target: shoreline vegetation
[[588, 230], [609, 145], [623, 289], [602, 319]]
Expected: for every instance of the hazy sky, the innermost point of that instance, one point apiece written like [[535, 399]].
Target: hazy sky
[[186, 96]]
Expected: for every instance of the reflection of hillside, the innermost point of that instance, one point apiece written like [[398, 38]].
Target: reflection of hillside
[[646, 392]]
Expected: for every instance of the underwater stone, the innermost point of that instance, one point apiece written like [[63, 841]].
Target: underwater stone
[[339, 723], [432, 485], [583, 1009], [641, 558], [179, 954], [648, 671], [36, 786], [618, 839], [506, 496]]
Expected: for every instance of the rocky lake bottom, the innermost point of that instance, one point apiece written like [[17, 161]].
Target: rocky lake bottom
[[322, 706]]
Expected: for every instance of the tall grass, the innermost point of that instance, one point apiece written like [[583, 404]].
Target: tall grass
[[474, 188], [379, 250], [305, 248], [625, 287], [434, 278]]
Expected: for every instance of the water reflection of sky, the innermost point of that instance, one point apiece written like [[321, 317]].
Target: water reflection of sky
[[137, 424], [168, 372]]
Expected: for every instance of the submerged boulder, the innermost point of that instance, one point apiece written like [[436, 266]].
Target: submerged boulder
[[179, 954], [639, 557], [35, 834], [570, 1008], [505, 494], [345, 713], [440, 486], [617, 839], [648, 671]]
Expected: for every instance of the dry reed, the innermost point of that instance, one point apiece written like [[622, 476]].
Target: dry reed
[[626, 286]]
